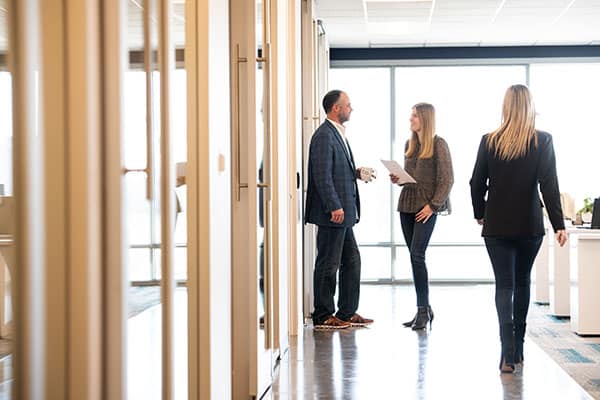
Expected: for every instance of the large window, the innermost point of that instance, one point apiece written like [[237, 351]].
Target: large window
[[567, 99], [369, 133], [468, 102]]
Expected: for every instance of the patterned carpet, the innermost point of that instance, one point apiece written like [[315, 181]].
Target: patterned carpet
[[578, 356]]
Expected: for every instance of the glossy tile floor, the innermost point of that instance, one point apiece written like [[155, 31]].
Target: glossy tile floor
[[457, 359], [144, 351], [5, 377]]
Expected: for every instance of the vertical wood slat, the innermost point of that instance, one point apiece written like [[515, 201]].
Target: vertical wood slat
[[166, 66], [29, 326], [115, 269], [193, 255], [53, 80], [84, 236], [148, 68]]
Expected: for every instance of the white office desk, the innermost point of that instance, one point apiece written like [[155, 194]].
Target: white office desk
[[560, 291], [585, 273]]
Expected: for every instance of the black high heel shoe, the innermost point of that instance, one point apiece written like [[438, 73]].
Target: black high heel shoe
[[518, 353], [506, 366], [519, 339], [410, 323], [507, 357], [430, 316], [421, 319]]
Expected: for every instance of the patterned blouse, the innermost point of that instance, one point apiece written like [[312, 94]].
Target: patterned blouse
[[434, 178]]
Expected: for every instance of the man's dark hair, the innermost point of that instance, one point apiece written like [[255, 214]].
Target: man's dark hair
[[330, 99]]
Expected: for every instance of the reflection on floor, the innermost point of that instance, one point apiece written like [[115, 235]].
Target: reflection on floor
[[6, 377], [144, 351], [457, 359]]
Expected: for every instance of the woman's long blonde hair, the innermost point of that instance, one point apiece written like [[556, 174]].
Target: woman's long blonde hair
[[426, 114], [512, 139]]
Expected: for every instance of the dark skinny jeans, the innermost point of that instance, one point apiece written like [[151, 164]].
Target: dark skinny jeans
[[417, 235], [512, 260]]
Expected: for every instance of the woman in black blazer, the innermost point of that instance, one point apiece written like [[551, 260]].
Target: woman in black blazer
[[512, 162]]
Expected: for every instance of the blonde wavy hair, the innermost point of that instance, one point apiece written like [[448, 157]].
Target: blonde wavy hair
[[512, 139], [426, 114]]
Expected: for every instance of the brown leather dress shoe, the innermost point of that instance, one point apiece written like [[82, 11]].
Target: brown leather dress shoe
[[332, 323], [357, 320]]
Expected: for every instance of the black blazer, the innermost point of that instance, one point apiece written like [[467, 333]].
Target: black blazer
[[331, 179], [513, 207]]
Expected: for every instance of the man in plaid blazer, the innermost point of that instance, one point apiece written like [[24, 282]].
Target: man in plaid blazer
[[333, 204]]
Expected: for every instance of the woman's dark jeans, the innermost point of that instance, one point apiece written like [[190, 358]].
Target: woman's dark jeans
[[512, 260], [417, 235]]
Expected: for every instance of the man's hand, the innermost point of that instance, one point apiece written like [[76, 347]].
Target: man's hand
[[424, 214], [561, 237], [366, 174], [480, 221], [337, 216]]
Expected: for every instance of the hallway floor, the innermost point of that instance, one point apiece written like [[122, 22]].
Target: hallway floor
[[457, 359]]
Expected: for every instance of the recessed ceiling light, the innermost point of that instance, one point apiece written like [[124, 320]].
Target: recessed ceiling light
[[396, 28]]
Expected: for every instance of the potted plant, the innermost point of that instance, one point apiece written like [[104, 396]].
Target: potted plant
[[586, 211]]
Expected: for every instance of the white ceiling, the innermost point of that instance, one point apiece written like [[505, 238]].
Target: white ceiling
[[135, 31], [395, 23]]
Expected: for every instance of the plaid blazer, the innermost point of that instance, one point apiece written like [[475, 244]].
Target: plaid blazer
[[331, 179]]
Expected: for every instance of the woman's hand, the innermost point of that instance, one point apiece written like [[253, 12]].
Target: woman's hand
[[561, 237], [394, 179], [424, 214]]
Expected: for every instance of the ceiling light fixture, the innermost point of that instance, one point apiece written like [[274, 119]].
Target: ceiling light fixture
[[431, 12], [396, 28], [563, 12], [498, 11]]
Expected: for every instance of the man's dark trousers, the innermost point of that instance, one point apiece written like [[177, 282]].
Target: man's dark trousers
[[336, 249]]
